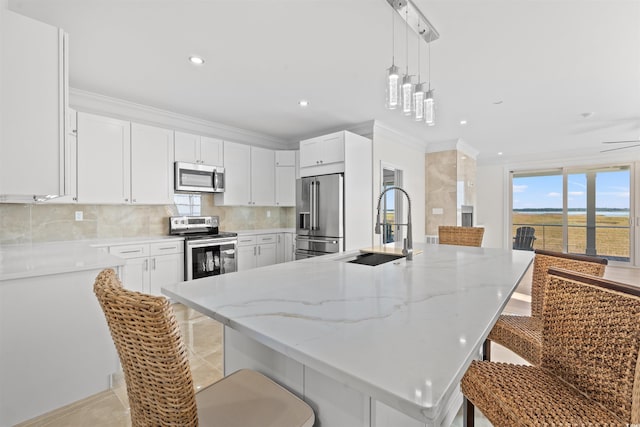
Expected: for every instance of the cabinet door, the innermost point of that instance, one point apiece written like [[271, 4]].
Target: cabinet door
[[286, 186], [280, 248], [165, 270], [246, 257], [266, 255], [289, 248], [310, 152], [211, 150], [286, 158], [103, 159], [33, 86], [71, 173], [135, 274], [333, 148], [187, 147], [237, 168], [263, 172], [151, 165]]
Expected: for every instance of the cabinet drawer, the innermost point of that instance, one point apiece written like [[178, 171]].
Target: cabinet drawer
[[266, 238], [129, 251], [246, 240], [166, 248]]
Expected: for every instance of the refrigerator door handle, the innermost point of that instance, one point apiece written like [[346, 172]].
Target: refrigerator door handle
[[316, 205], [312, 203]]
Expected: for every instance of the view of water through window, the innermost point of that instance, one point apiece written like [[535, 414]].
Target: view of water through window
[[590, 217]]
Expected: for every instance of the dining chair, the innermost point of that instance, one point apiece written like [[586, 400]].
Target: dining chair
[[523, 334], [461, 236], [524, 238], [158, 377], [589, 374]]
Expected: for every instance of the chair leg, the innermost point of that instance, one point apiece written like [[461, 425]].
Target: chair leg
[[486, 350], [467, 413]]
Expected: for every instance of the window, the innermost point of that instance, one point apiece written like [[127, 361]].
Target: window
[[188, 204], [576, 210]]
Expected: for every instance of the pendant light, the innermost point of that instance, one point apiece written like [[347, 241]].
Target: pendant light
[[407, 85], [393, 76], [418, 91], [429, 103]]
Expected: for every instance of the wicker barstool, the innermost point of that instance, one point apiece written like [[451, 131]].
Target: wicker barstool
[[523, 334], [158, 377], [461, 236], [590, 369]]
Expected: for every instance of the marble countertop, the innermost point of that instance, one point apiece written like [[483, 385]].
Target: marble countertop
[[40, 259], [264, 231], [23, 261], [404, 332]]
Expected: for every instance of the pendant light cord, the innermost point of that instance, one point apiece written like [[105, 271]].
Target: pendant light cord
[[429, 63], [393, 37], [406, 26]]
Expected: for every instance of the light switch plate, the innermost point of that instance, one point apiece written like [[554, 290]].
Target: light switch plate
[[79, 216]]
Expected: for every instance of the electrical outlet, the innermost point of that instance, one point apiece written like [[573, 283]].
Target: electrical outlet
[[268, 214], [78, 215]]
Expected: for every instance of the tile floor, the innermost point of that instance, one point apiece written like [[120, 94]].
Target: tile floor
[[203, 337]]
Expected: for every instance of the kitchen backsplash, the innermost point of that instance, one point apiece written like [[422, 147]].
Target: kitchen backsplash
[[35, 223]]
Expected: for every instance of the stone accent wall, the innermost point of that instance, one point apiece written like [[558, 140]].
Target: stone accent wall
[[450, 178]]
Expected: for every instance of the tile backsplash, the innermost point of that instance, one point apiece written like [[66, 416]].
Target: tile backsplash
[[35, 223]]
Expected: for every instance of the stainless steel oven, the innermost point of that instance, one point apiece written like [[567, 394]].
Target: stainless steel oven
[[207, 251]]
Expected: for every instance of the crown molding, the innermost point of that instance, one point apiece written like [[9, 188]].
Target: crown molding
[[402, 138], [91, 102]]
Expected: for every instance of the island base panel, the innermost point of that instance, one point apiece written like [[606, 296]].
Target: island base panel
[[335, 404]]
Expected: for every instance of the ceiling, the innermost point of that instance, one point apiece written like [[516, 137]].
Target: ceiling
[[522, 73]]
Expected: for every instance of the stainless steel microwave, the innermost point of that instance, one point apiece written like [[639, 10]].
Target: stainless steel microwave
[[199, 178]]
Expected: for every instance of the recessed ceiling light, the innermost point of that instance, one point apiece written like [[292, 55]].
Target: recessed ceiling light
[[499, 153], [497, 102], [303, 103], [463, 122], [196, 60]]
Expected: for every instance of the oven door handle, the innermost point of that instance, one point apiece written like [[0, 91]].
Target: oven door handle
[[209, 243]]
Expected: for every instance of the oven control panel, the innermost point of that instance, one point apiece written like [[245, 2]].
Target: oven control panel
[[178, 224]]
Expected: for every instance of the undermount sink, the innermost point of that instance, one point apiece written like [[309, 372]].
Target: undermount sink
[[374, 259]]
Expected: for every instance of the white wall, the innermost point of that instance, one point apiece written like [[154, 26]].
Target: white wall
[[399, 150]]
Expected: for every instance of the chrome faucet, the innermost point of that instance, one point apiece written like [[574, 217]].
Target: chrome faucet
[[407, 249]]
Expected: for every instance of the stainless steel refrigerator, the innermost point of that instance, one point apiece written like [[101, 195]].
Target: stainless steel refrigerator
[[319, 215]]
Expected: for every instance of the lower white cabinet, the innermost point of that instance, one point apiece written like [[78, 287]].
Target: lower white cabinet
[[150, 266], [284, 247], [256, 251]]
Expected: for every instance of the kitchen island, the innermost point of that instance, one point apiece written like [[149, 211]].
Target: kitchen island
[[364, 345]]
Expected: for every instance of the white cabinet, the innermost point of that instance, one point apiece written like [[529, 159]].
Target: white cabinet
[[151, 165], [285, 250], [120, 162], [262, 177], [285, 176], [104, 150], [70, 159], [150, 266], [323, 150], [249, 176], [256, 251], [198, 149], [33, 103]]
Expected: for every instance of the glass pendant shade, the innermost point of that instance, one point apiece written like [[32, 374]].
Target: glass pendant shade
[[418, 102], [407, 95], [429, 109], [393, 89]]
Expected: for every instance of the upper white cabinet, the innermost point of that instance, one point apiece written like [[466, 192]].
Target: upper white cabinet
[[198, 149], [151, 165], [323, 153], [119, 162], [104, 151], [263, 172], [33, 104], [286, 178], [249, 176]]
